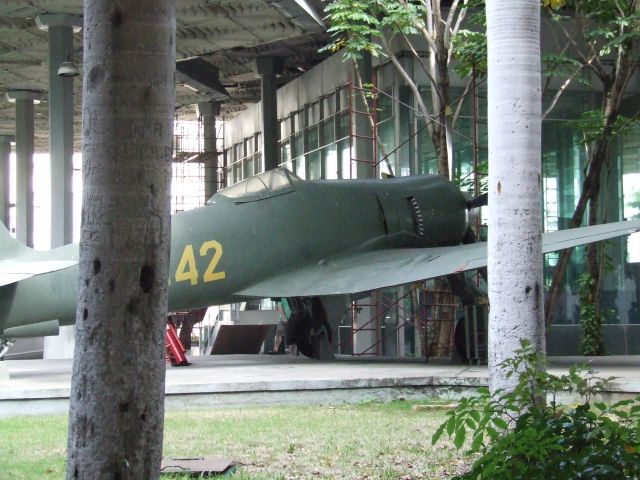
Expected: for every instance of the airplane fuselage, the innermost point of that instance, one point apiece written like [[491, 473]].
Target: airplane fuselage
[[222, 248]]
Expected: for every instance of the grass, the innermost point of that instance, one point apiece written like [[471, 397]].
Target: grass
[[362, 441]]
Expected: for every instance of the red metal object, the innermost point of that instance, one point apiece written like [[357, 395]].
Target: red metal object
[[175, 349]]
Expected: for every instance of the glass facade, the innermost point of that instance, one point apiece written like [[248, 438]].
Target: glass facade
[[317, 141]]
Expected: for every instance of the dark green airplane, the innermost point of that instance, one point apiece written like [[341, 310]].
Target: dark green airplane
[[275, 235]]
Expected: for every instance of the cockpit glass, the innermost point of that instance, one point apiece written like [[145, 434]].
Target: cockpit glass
[[266, 184]]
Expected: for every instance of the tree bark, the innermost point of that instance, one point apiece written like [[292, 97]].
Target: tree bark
[[515, 213], [117, 393]]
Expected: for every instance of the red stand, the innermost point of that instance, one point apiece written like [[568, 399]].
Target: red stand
[[175, 349]]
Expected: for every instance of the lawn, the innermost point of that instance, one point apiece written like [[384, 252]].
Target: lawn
[[359, 441]]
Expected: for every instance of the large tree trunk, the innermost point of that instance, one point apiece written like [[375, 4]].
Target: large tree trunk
[[117, 393], [515, 216]]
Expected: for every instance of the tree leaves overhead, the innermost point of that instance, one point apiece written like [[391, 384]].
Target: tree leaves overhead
[[355, 25], [470, 51]]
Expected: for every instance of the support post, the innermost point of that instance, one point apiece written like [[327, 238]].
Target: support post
[[24, 100], [5, 183], [208, 112], [268, 68], [61, 28]]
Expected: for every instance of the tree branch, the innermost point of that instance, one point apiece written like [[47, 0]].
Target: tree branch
[[403, 73], [425, 68]]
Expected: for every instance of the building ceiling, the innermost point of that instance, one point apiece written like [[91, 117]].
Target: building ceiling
[[229, 34]]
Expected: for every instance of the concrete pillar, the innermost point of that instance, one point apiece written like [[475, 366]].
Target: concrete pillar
[[5, 183], [365, 340], [267, 68], [209, 111], [61, 28], [24, 100]]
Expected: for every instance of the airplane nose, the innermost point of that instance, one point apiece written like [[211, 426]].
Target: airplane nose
[[439, 213]]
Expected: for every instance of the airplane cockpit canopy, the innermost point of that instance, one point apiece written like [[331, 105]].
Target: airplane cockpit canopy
[[267, 184]]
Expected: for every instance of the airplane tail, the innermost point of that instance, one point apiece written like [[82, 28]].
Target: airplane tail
[[9, 246]]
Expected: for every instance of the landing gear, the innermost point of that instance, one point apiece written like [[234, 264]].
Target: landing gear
[[5, 344], [309, 329]]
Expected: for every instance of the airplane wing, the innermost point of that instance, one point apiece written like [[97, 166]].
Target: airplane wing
[[12, 271], [572, 237], [377, 269]]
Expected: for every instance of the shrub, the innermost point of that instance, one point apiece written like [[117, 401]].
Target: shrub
[[518, 435]]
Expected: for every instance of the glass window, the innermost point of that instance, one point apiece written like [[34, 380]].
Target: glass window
[[238, 151], [315, 165], [298, 120], [631, 189], [300, 167], [257, 163], [330, 154], [314, 113], [285, 152], [342, 125], [247, 164], [329, 105], [262, 185], [298, 144], [328, 135], [312, 138], [285, 127], [344, 152], [237, 172], [343, 98]]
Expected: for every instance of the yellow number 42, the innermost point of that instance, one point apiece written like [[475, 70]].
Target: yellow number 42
[[188, 269]]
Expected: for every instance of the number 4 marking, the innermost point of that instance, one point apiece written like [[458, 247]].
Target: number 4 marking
[[188, 270]]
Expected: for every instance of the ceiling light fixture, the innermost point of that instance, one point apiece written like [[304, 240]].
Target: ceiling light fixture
[[68, 69]]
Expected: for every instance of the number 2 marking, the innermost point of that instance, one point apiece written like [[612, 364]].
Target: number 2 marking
[[187, 267], [210, 275]]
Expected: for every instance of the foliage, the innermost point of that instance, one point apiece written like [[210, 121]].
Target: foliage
[[466, 182], [355, 25], [591, 318], [530, 439], [593, 125], [469, 48], [635, 203], [553, 4]]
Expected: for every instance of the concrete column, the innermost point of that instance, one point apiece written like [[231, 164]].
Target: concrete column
[[61, 28], [364, 341], [267, 68], [24, 100], [5, 183], [209, 111]]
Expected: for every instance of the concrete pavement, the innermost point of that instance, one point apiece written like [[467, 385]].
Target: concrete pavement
[[43, 386]]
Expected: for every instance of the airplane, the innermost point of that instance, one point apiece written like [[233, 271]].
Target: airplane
[[276, 235]]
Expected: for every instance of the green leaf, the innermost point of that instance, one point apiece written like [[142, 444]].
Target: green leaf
[[459, 438], [477, 442], [438, 433], [451, 425], [500, 423]]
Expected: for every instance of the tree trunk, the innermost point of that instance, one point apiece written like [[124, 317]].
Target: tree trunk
[[117, 393], [441, 130], [515, 216]]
